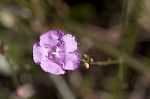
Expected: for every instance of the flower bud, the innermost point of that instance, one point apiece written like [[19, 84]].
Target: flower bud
[[91, 60], [86, 65], [85, 56]]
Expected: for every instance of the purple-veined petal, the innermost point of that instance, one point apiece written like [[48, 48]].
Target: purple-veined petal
[[51, 67], [39, 53], [50, 38], [69, 43], [72, 61]]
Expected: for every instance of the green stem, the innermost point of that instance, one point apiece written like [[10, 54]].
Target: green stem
[[125, 23], [129, 36], [15, 80], [104, 63], [14, 75], [120, 78]]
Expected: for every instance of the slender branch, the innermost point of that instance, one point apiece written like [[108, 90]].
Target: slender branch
[[14, 75], [104, 63]]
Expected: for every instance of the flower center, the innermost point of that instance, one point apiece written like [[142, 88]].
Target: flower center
[[56, 53]]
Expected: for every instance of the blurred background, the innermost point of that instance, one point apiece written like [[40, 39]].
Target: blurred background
[[105, 29]]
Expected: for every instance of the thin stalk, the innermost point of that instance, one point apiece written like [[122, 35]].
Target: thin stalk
[[15, 80], [14, 76], [101, 63], [129, 36], [105, 63], [121, 73]]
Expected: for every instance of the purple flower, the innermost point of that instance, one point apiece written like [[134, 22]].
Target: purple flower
[[56, 52]]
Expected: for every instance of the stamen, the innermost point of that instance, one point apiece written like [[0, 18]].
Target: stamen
[[56, 52]]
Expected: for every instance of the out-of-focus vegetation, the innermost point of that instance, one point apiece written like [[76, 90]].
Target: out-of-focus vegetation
[[106, 30]]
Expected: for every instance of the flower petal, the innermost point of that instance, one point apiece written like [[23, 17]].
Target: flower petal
[[69, 43], [36, 53], [39, 53], [72, 61], [50, 38], [51, 67]]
